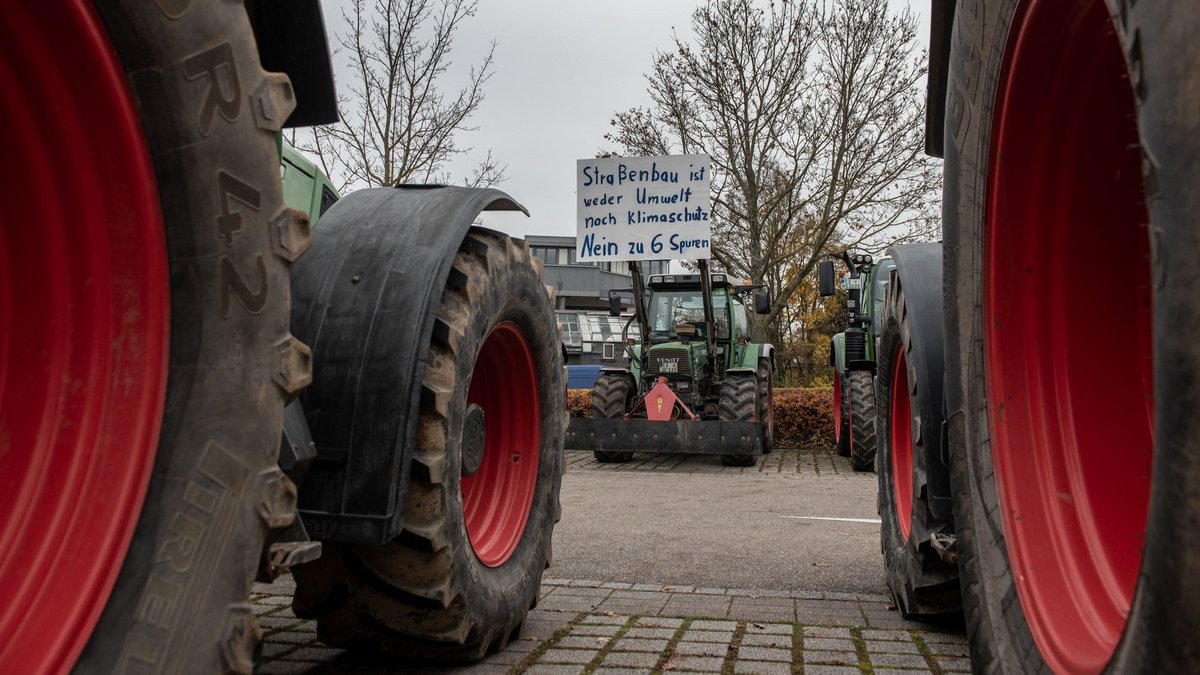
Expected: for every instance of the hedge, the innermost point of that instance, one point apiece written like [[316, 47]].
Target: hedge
[[803, 417]]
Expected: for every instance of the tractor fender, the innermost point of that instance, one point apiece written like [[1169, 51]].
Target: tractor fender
[[837, 352], [364, 298], [624, 371], [742, 371], [919, 269], [752, 352], [291, 39]]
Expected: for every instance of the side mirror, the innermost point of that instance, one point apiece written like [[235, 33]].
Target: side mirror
[[614, 305], [825, 278], [762, 302]]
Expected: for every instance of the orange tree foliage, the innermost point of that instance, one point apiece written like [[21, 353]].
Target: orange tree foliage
[[803, 417]]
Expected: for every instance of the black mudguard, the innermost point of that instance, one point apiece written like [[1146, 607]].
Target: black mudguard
[[364, 298], [919, 267], [291, 39]]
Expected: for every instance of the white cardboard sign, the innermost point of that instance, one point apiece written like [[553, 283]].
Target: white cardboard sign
[[643, 208]]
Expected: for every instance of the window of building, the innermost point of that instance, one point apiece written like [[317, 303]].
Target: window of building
[[547, 254]]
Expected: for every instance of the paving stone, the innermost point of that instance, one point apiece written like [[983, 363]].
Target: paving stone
[[616, 585], [717, 636], [829, 644], [626, 644], [581, 642], [808, 595], [769, 628], [875, 647], [764, 654], [761, 668], [549, 669], [766, 640], [874, 635], [659, 622], [825, 632], [944, 638], [601, 630], [647, 587], [712, 591], [271, 650], [556, 655], [678, 589], [584, 583], [954, 665], [702, 664], [622, 671], [283, 668], [948, 649], [604, 619], [275, 600], [840, 596], [648, 632], [296, 637], [319, 654], [899, 660], [830, 658], [713, 625], [701, 648], [827, 670], [697, 605], [631, 659]]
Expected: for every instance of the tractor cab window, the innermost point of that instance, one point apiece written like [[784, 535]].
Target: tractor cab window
[[670, 309], [739, 317]]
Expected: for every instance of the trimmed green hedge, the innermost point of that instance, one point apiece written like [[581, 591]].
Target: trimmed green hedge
[[803, 417]]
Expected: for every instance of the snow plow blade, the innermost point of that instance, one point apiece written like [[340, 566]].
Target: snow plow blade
[[671, 437]]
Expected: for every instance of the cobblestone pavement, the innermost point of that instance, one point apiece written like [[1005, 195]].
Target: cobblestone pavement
[[629, 629], [817, 463]]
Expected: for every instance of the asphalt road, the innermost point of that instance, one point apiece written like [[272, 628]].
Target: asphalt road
[[691, 522]]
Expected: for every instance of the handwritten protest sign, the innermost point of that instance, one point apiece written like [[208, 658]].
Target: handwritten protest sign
[[643, 208]]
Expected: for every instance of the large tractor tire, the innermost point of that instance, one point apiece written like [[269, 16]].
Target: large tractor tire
[[1074, 439], [841, 418], [145, 356], [766, 403], [922, 582], [482, 498], [738, 403], [860, 396], [611, 396]]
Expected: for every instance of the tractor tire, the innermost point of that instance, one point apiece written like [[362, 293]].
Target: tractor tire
[[841, 418], [922, 584], [861, 397], [482, 498], [766, 403], [147, 355], [738, 403], [611, 395], [1074, 446]]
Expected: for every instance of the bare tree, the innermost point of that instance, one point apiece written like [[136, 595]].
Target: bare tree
[[397, 125], [812, 115]]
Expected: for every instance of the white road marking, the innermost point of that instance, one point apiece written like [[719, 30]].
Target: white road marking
[[843, 520]]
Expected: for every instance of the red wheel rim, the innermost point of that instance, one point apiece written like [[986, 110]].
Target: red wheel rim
[[900, 444], [837, 407], [498, 497], [1067, 317], [84, 302]]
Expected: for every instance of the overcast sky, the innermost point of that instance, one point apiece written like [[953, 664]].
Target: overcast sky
[[562, 69]]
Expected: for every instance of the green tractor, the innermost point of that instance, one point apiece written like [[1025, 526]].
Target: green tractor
[[852, 354], [696, 370]]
